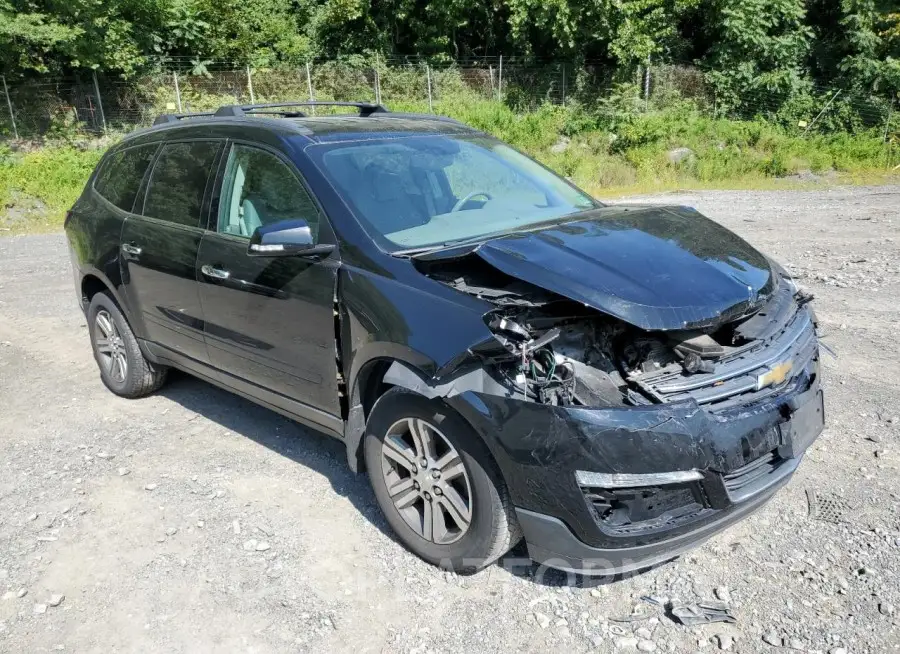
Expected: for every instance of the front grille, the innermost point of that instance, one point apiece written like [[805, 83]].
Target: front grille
[[752, 477], [737, 373]]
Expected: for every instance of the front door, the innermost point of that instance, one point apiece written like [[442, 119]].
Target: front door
[[159, 248], [269, 320]]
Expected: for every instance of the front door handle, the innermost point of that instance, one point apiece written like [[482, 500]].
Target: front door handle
[[133, 250], [215, 273]]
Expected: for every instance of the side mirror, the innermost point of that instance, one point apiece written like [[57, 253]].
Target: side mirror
[[284, 239]]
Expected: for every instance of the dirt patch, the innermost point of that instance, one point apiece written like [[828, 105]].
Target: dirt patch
[[21, 210]]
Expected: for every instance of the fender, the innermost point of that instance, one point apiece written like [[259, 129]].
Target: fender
[[91, 271], [399, 373]]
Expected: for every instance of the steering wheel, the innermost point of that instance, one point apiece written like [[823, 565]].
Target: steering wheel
[[474, 194]]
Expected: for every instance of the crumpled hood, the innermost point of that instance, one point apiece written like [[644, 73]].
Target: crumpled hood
[[657, 268]]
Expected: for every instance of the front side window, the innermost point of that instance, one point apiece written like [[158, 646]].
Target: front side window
[[178, 182], [429, 190], [260, 189], [122, 173]]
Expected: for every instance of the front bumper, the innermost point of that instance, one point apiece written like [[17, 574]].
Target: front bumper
[[553, 544], [743, 454]]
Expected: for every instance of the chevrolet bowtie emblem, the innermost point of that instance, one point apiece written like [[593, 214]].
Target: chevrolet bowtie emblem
[[775, 375]]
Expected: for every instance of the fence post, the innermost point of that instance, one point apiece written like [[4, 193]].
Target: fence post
[[377, 80], [250, 85], [647, 85], [99, 101], [564, 83], [312, 97], [500, 81], [887, 123], [428, 76], [12, 115], [177, 91]]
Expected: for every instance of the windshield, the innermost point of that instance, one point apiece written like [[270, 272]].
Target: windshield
[[430, 190]]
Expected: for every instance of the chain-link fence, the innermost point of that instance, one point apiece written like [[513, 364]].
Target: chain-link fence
[[94, 103]]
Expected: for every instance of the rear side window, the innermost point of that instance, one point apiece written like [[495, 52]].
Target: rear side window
[[178, 182], [122, 173]]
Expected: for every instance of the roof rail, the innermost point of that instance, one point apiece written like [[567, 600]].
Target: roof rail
[[365, 108], [162, 119]]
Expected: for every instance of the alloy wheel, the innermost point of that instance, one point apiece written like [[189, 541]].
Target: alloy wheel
[[427, 481], [110, 346]]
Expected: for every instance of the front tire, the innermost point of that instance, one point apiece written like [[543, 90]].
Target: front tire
[[123, 368], [437, 484]]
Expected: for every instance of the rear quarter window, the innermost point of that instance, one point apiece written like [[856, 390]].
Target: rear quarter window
[[120, 177]]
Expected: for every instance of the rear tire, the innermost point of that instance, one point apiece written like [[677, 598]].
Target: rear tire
[[123, 368], [449, 506]]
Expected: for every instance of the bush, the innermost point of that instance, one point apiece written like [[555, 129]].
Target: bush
[[610, 149], [49, 179]]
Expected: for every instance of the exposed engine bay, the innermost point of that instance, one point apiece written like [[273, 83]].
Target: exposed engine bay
[[551, 350]]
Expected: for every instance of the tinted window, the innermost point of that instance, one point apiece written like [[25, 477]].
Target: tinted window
[[179, 180], [260, 189], [122, 173]]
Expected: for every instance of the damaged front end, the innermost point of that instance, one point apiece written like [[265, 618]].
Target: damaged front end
[[623, 446], [551, 350]]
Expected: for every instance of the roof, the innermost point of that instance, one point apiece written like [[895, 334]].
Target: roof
[[371, 121], [329, 129]]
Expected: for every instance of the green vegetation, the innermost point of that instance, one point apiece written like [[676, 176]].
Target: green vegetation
[[36, 188], [785, 51], [608, 154]]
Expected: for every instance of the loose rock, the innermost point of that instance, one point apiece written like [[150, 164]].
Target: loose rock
[[542, 620], [679, 155], [773, 639], [626, 642], [724, 641]]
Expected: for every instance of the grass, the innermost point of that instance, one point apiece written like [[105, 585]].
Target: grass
[[37, 188], [609, 152]]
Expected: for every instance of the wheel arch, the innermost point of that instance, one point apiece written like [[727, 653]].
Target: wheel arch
[[380, 374], [366, 387], [94, 282]]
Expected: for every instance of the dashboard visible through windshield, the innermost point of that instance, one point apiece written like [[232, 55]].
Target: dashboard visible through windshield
[[420, 191]]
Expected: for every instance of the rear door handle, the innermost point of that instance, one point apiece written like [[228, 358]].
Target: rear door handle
[[215, 273], [133, 250]]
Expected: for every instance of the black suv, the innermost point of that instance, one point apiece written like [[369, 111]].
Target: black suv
[[504, 355]]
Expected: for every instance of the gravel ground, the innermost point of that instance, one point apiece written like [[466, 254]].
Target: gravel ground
[[194, 521]]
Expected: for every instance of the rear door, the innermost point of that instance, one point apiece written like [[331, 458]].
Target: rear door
[[159, 247], [269, 320], [94, 225]]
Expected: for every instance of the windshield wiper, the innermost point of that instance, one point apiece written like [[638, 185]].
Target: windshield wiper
[[414, 251], [477, 240]]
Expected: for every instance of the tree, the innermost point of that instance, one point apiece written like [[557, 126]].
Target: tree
[[259, 33], [759, 52], [28, 40]]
